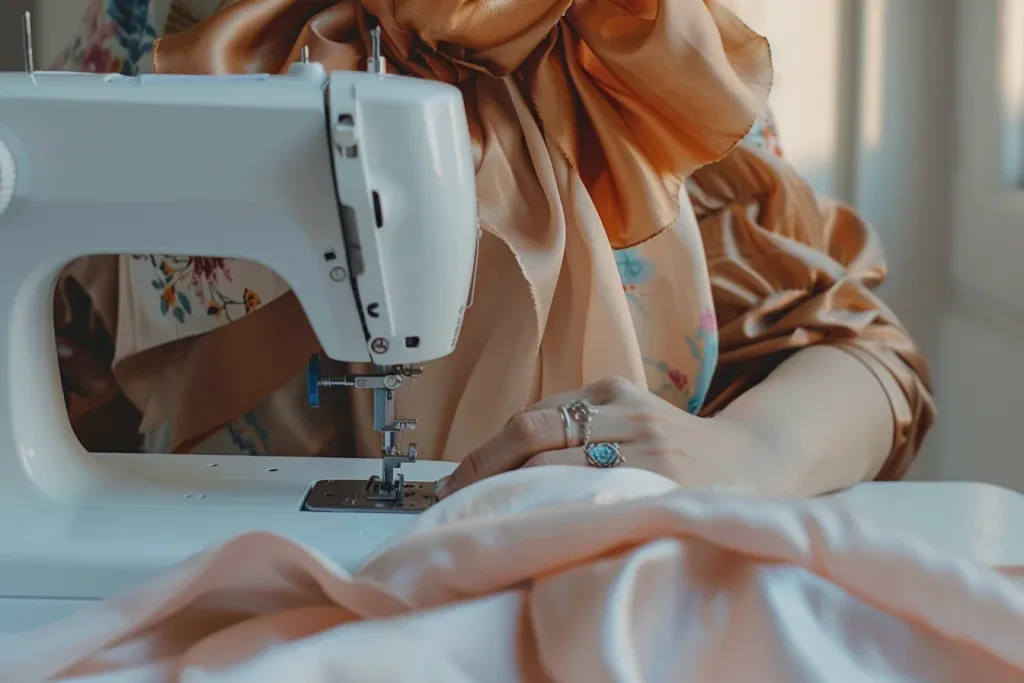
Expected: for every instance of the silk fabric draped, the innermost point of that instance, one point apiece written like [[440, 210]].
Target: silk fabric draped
[[586, 116], [560, 575]]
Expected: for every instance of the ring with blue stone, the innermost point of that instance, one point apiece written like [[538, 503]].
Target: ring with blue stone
[[603, 455]]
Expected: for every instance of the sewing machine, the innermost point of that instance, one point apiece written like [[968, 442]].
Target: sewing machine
[[356, 188]]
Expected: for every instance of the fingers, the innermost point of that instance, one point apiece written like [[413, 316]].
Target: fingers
[[539, 431], [565, 456], [529, 432], [607, 391]]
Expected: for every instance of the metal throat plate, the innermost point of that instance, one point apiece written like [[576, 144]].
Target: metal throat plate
[[349, 495]]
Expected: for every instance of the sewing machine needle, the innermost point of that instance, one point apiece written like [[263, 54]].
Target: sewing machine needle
[[26, 35], [375, 62]]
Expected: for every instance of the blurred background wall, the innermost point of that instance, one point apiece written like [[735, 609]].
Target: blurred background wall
[[913, 111]]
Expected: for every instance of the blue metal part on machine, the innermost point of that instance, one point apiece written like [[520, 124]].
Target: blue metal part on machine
[[313, 381]]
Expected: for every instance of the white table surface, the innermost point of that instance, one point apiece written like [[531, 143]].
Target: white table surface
[[976, 521]]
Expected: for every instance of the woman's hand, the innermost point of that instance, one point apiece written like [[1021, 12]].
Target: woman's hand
[[651, 434]]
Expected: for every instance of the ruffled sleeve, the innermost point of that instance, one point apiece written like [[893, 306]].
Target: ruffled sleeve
[[789, 271], [592, 72]]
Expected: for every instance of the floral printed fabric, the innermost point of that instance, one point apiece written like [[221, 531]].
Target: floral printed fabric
[[175, 296], [169, 297], [116, 35], [765, 134], [196, 284], [678, 362]]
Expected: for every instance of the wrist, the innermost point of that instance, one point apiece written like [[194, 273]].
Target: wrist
[[773, 458]]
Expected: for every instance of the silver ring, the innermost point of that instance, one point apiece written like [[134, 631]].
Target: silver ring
[[604, 455], [563, 412], [582, 413]]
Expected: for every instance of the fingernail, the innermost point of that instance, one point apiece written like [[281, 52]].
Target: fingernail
[[442, 486]]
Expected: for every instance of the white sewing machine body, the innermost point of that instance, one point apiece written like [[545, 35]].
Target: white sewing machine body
[[356, 188], [254, 167], [243, 166]]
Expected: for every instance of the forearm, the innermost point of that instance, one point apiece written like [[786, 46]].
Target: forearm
[[829, 416]]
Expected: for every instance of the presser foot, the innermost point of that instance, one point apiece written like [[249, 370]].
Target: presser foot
[[362, 495], [389, 491]]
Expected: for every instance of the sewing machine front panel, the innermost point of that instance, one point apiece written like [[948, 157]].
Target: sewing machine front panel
[[403, 164]]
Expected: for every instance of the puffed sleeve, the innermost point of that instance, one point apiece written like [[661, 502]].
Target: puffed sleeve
[[789, 270]]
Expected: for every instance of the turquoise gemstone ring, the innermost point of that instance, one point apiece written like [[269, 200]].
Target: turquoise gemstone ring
[[603, 455]]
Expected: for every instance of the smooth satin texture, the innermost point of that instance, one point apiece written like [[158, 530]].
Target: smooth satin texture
[[586, 118], [560, 575]]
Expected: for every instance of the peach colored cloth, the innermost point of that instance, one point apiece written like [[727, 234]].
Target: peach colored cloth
[[580, 148], [560, 575]]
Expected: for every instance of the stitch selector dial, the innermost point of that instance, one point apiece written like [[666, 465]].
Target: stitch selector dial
[[7, 176]]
